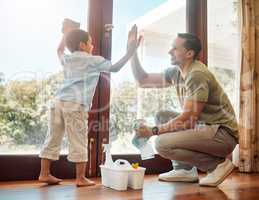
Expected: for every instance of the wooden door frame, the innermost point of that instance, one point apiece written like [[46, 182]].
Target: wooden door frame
[[196, 23], [26, 167], [100, 15]]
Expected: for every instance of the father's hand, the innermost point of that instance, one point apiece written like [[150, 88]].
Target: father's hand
[[133, 40], [144, 131]]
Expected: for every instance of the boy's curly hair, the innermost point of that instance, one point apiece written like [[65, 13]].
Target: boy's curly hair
[[74, 37]]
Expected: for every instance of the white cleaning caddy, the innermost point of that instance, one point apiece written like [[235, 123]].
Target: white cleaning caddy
[[121, 175]]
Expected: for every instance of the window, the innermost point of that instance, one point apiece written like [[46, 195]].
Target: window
[[30, 72], [128, 102], [223, 46]]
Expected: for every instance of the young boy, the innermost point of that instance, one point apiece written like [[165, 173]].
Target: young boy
[[73, 101]]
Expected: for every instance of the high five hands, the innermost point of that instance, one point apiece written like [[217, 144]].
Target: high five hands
[[133, 40]]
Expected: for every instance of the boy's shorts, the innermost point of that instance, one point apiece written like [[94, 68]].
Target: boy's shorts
[[71, 118]]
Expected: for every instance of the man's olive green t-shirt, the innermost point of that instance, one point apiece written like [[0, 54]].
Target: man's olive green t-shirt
[[201, 85]]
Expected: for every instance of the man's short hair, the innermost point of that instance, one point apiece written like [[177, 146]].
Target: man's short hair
[[74, 37], [192, 42]]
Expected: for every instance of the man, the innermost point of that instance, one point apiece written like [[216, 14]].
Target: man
[[206, 131]]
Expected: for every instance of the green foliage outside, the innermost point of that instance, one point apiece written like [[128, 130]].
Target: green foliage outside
[[23, 111], [24, 108]]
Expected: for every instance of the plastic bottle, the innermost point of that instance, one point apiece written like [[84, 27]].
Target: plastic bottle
[[108, 157]]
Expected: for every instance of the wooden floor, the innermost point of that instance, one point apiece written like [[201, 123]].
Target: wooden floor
[[238, 186]]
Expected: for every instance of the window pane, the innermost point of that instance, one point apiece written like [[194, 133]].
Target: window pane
[[223, 46], [30, 70], [158, 21]]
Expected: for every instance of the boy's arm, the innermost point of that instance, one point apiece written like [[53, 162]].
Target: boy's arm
[[118, 65], [133, 43], [144, 79], [67, 26], [61, 48]]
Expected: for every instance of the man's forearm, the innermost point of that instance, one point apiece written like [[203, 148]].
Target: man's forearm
[[179, 123], [138, 72]]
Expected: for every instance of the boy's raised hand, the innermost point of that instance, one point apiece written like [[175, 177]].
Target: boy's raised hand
[[133, 40], [69, 25]]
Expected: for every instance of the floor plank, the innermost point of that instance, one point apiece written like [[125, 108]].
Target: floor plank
[[238, 186]]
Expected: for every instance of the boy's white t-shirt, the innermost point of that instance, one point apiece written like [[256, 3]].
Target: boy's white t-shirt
[[81, 75]]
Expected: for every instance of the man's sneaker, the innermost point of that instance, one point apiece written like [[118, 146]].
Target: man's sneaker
[[180, 175], [218, 175]]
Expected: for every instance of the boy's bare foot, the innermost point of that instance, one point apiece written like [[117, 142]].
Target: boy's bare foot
[[49, 179], [81, 182]]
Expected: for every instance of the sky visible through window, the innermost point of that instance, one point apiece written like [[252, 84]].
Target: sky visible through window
[[31, 32]]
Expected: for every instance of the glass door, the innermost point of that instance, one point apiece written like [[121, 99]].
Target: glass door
[[30, 74], [30, 69], [224, 49], [158, 22]]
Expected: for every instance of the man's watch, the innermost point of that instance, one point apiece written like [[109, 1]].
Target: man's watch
[[155, 130]]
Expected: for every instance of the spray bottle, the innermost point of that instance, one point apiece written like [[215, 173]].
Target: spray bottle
[[108, 157]]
